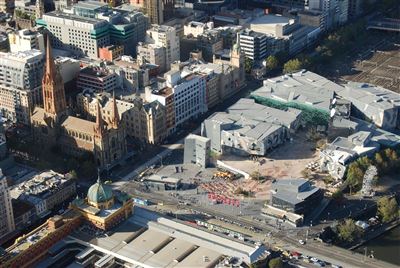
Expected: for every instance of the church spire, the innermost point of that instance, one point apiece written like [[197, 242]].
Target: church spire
[[99, 127], [115, 115], [53, 87]]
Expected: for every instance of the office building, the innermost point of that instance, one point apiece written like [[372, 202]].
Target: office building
[[6, 212], [154, 9], [195, 28], [247, 128], [253, 45], [197, 150], [335, 12], [25, 40], [96, 78], [80, 35], [153, 54], [165, 36], [45, 191], [189, 95], [20, 84], [69, 69]]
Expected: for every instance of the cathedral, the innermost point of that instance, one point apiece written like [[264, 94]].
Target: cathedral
[[53, 125]]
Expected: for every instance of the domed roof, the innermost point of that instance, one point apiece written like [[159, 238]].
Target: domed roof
[[99, 193]]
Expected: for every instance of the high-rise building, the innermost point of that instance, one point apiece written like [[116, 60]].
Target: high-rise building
[[20, 84], [154, 9], [335, 12], [83, 36], [26, 40], [165, 36], [6, 212]]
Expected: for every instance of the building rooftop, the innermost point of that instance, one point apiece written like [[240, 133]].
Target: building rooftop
[[75, 123], [162, 179], [95, 71], [62, 15], [293, 191], [90, 4], [374, 97], [41, 185], [303, 87], [21, 56], [148, 239]]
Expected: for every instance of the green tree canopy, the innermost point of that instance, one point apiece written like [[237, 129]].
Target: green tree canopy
[[347, 231], [275, 263], [271, 63], [292, 66], [248, 65], [388, 208]]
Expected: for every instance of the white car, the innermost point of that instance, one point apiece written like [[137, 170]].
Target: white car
[[302, 242]]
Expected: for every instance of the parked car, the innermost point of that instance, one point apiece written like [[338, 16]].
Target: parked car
[[302, 242]]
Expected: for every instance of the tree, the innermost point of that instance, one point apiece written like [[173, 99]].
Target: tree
[[338, 195], [275, 263], [271, 63], [388, 208], [248, 65], [347, 231], [355, 175], [381, 163], [292, 66]]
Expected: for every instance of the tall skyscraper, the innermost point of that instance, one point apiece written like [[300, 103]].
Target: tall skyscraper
[[6, 212], [154, 9]]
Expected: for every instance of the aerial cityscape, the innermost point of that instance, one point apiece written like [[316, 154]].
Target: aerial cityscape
[[199, 133]]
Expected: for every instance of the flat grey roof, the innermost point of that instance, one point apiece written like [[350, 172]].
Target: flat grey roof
[[303, 87]]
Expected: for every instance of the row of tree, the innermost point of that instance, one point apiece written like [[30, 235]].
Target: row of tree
[[387, 161]]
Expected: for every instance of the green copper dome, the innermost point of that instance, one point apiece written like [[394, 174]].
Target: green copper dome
[[99, 193]]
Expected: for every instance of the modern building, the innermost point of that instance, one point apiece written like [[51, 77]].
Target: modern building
[[96, 78], [295, 195], [285, 30], [154, 9], [165, 36], [20, 84], [153, 54], [303, 87], [373, 103], [248, 128], [253, 45], [80, 35], [45, 191], [53, 126], [6, 211], [162, 183], [338, 154], [335, 12], [26, 40], [69, 68], [197, 150], [189, 95]]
